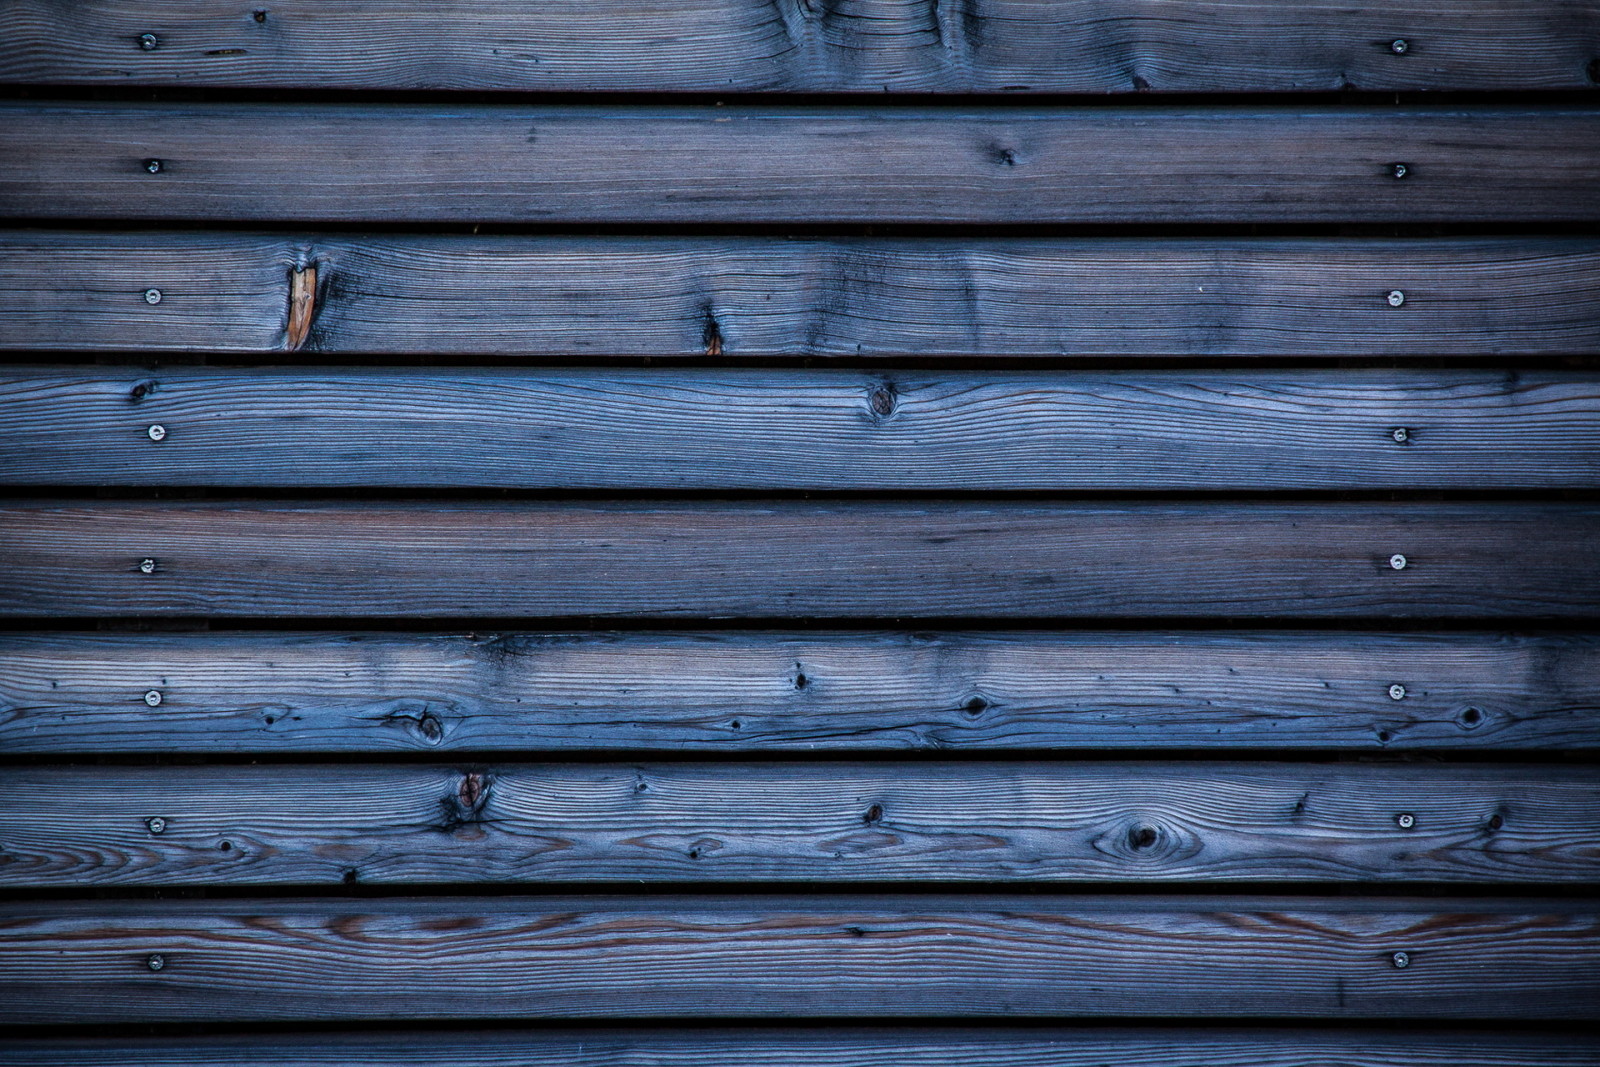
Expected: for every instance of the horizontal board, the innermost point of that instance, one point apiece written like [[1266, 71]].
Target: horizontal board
[[220, 692], [311, 824], [1001, 559], [883, 955], [833, 1046], [800, 430], [751, 297], [1009, 46], [808, 165]]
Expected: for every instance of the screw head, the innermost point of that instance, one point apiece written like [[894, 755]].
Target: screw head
[[157, 432], [155, 825], [1400, 170], [1399, 46], [147, 566], [1397, 692], [155, 961], [1405, 820], [149, 41], [154, 166], [1398, 562], [153, 698], [1396, 298], [1401, 960], [1400, 434], [152, 296]]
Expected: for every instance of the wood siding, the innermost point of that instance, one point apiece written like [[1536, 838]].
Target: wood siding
[[831, 533]]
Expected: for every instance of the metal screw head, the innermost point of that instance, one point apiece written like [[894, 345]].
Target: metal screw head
[[153, 698], [1401, 959], [155, 961], [1397, 692], [152, 296], [1396, 298], [1400, 170], [147, 566], [153, 166], [156, 824], [1400, 435], [148, 41], [1399, 46], [157, 432], [1398, 562], [1405, 820]]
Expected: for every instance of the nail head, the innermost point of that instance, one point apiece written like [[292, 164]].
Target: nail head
[[1400, 434], [154, 166], [155, 961], [1397, 692], [152, 296], [147, 566], [1398, 562], [148, 41], [1401, 959], [155, 825], [1399, 170], [1405, 820], [157, 432], [1396, 298], [1399, 46], [153, 697]]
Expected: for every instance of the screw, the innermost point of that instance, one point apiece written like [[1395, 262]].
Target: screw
[[1400, 434], [155, 826], [153, 166], [157, 432], [1397, 692], [1405, 820], [153, 698], [152, 296], [1398, 562], [1400, 170], [1396, 298], [148, 41], [147, 566], [1401, 960], [155, 961], [1399, 46]]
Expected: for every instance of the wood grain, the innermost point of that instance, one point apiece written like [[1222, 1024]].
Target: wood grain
[[325, 163], [847, 559], [722, 46], [753, 297], [834, 1046], [801, 430], [87, 961], [307, 824], [221, 692]]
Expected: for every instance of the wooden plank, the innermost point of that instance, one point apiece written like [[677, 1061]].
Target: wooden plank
[[800, 430], [834, 1046], [219, 692], [323, 824], [1002, 46], [759, 164], [221, 961], [752, 297], [783, 559]]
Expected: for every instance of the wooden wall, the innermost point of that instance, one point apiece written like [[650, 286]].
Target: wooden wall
[[832, 533]]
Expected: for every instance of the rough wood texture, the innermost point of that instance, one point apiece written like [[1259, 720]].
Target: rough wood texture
[[751, 164], [1009, 46], [801, 430], [1000, 559], [752, 297], [835, 1046], [303, 824], [224, 692], [88, 961]]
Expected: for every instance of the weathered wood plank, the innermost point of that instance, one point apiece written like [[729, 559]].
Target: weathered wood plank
[[751, 164], [800, 430], [222, 692], [546, 296], [1011, 46], [1000, 559], [834, 1046], [236, 960], [309, 824]]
